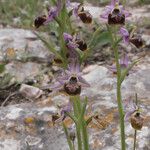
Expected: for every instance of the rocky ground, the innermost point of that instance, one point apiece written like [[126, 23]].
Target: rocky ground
[[26, 119]]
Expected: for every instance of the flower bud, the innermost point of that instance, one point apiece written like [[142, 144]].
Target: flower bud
[[137, 120]]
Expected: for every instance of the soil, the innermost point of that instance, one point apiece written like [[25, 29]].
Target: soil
[[11, 95]]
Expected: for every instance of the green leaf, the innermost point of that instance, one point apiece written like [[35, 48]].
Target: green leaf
[[53, 2], [100, 38], [48, 45], [81, 55], [64, 13], [141, 1], [2, 68], [84, 108], [89, 120], [74, 119], [67, 136], [125, 72], [5, 80]]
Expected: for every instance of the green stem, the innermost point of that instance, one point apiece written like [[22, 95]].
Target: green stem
[[73, 145], [119, 98], [85, 135], [78, 104], [62, 42], [67, 136], [83, 124], [78, 129], [121, 115], [74, 119], [79, 137]]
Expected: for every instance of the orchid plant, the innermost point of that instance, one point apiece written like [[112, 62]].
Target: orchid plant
[[73, 50]]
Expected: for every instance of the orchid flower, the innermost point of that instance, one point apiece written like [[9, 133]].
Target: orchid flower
[[70, 41], [52, 13], [125, 35], [133, 115], [115, 13], [71, 81], [63, 111], [73, 42], [84, 15], [130, 108], [136, 40]]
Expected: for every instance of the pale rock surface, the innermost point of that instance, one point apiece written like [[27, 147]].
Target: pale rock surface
[[30, 91], [24, 52], [21, 71], [23, 41]]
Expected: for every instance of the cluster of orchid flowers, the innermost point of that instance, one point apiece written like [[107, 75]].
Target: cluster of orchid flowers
[[76, 9], [71, 81]]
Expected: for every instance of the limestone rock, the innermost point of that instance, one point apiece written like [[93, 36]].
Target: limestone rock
[[23, 42], [30, 91]]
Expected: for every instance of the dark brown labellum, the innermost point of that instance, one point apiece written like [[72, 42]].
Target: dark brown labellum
[[72, 87], [137, 121], [85, 16], [39, 21], [137, 41], [116, 17], [81, 45]]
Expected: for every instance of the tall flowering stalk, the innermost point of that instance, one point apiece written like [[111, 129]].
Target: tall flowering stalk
[[71, 81], [119, 98], [116, 17]]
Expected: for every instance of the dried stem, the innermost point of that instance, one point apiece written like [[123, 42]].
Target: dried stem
[[135, 132]]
